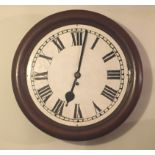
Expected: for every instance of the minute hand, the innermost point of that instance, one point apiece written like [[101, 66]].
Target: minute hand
[[77, 74], [82, 51], [70, 95]]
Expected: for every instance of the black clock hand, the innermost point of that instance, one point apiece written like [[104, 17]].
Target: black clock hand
[[70, 95], [82, 51]]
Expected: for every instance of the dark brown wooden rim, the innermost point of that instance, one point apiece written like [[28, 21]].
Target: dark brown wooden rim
[[19, 75]]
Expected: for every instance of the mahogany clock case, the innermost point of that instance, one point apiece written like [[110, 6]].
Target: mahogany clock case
[[21, 91]]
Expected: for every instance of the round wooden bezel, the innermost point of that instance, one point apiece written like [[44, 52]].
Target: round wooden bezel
[[21, 60]]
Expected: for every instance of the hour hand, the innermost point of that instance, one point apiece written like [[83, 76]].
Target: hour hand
[[69, 97], [70, 94]]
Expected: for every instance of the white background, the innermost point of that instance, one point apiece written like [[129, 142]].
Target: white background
[[138, 132]]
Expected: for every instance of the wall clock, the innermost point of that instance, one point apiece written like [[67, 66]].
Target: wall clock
[[77, 75]]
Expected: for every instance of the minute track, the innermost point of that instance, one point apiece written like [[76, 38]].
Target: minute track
[[109, 84], [103, 111]]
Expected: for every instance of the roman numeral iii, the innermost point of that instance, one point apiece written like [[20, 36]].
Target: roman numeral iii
[[45, 92], [109, 93], [58, 107], [77, 111], [113, 74], [58, 43], [77, 38]]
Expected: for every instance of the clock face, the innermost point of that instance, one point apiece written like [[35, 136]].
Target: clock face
[[73, 96], [77, 75]]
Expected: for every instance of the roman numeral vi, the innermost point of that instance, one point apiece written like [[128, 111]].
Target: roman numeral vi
[[77, 111]]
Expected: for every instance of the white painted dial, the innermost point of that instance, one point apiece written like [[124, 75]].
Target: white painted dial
[[73, 95]]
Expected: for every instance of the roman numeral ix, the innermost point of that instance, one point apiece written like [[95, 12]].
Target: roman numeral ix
[[109, 93], [40, 76], [45, 92]]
